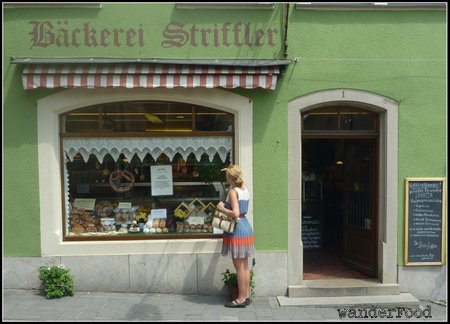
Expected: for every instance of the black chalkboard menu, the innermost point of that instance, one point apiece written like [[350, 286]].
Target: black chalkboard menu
[[425, 221], [311, 232]]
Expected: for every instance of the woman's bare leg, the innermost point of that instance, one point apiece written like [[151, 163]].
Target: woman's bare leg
[[242, 278]]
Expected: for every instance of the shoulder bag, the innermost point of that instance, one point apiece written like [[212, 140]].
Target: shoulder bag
[[224, 222]]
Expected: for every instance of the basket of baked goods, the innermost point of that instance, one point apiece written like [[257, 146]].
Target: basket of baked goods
[[82, 221], [104, 208]]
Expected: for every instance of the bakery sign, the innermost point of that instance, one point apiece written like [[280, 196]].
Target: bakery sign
[[45, 33], [62, 33]]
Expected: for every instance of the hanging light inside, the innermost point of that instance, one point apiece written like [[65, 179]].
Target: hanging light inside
[[153, 118]]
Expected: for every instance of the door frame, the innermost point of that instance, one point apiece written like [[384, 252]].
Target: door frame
[[387, 110]]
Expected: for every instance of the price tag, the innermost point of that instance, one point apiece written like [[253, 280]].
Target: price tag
[[124, 205], [86, 203], [195, 220], [158, 213]]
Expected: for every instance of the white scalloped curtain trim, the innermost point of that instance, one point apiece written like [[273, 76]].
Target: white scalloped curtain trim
[[155, 146], [66, 191]]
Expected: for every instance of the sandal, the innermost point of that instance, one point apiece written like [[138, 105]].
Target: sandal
[[236, 304]]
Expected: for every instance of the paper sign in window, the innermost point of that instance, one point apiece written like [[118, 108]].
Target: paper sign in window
[[162, 180]]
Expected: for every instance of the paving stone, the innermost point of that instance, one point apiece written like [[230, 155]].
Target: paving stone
[[296, 313], [87, 316], [69, 315], [228, 318], [48, 315], [245, 316], [27, 305], [280, 314]]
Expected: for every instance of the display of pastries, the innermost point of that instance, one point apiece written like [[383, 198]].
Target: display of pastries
[[91, 229], [77, 229], [107, 228], [199, 228], [104, 219], [104, 208], [158, 225], [134, 228], [82, 221], [124, 216]]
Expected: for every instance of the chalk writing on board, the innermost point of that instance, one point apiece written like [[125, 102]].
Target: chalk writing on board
[[424, 227], [311, 232], [425, 246]]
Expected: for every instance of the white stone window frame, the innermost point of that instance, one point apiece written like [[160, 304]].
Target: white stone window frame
[[50, 169]]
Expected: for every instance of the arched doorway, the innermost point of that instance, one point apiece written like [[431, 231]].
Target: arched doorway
[[339, 196], [386, 225]]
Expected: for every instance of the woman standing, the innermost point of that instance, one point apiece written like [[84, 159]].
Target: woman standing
[[238, 245]]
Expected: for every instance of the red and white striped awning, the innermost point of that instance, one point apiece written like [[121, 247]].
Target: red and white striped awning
[[92, 76]]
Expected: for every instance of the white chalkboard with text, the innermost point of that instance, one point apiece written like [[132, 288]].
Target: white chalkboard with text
[[425, 221]]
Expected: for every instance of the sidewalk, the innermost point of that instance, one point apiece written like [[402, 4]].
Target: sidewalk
[[31, 305]]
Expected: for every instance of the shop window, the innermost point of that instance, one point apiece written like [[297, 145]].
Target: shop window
[[339, 119], [153, 163]]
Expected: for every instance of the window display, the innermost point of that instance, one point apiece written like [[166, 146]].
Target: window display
[[144, 184]]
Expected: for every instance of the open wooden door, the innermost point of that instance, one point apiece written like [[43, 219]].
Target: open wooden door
[[360, 205]]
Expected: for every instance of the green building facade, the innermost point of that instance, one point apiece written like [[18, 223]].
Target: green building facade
[[383, 70]]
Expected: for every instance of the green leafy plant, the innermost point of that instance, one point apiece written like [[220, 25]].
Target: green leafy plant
[[57, 280], [252, 285], [230, 279]]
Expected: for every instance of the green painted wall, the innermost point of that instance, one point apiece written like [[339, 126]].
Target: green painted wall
[[398, 54]]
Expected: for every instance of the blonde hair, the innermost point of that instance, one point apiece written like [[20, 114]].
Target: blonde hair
[[235, 172]]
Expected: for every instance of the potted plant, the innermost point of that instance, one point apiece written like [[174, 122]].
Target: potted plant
[[229, 279], [57, 280]]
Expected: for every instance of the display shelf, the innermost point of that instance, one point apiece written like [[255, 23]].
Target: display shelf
[[188, 199], [149, 184], [161, 199]]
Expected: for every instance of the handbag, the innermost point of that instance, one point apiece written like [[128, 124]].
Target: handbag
[[224, 222]]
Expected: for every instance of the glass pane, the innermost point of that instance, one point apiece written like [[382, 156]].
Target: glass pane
[[320, 121], [81, 121], [105, 197], [147, 117], [207, 119], [359, 171], [339, 119], [106, 191], [357, 121]]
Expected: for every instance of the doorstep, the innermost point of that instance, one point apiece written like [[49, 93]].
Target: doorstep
[[340, 287], [402, 299]]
